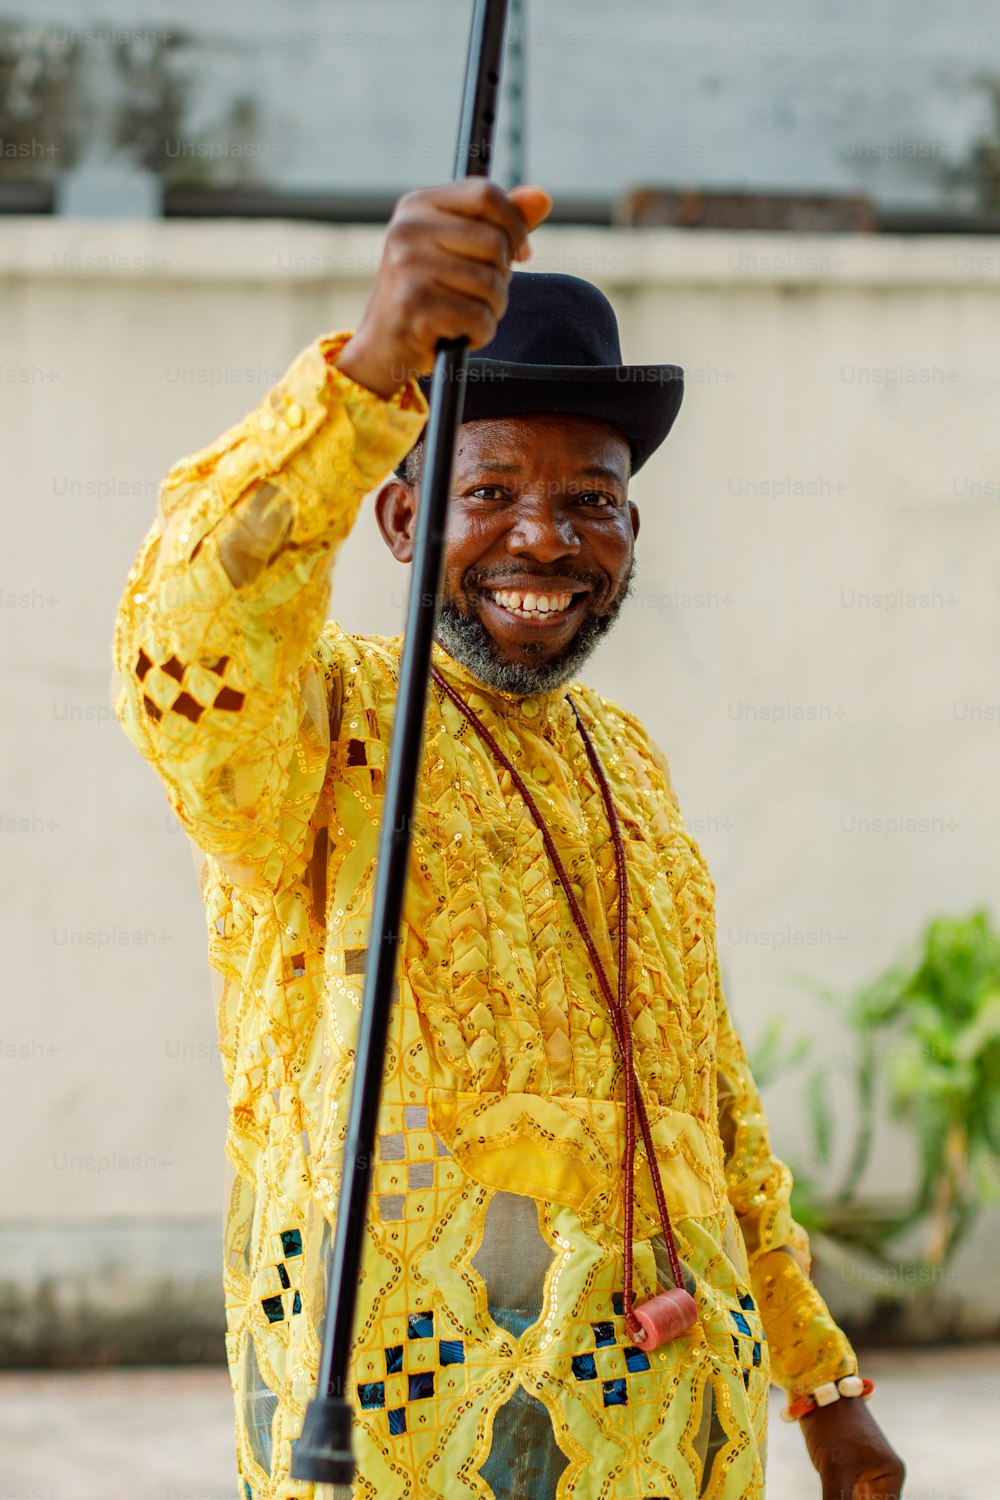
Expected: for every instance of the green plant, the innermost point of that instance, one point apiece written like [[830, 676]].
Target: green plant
[[929, 1032]]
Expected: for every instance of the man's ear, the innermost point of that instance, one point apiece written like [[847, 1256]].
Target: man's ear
[[396, 513], [633, 511]]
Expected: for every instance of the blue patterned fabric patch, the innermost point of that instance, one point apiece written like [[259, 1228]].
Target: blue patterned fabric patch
[[635, 1360], [741, 1323], [584, 1366], [272, 1306], [615, 1393], [420, 1326], [291, 1242], [604, 1333], [420, 1384]]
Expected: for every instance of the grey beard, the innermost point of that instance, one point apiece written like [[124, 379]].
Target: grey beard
[[466, 638]]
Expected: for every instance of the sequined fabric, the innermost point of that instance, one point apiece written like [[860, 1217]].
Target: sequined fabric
[[490, 1355]]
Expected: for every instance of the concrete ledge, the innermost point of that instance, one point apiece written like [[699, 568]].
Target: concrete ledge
[[209, 250], [111, 1292], [957, 1304], [145, 1292]]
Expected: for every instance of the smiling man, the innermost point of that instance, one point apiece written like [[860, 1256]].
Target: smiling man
[[580, 1268]]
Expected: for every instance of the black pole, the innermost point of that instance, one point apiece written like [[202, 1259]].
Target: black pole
[[323, 1453]]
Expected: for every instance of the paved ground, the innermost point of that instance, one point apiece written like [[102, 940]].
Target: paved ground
[[167, 1434]]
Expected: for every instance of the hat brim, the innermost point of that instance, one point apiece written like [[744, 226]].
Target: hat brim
[[642, 401]]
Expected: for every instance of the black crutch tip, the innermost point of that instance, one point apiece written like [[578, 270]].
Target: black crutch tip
[[323, 1452]]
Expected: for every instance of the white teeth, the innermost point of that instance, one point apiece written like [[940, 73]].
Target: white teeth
[[532, 604]]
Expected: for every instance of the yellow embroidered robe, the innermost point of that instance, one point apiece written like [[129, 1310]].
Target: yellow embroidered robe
[[490, 1356]]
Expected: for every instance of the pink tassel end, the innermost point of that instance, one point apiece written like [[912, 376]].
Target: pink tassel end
[[665, 1317]]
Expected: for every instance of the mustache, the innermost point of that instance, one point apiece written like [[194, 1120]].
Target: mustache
[[495, 578]]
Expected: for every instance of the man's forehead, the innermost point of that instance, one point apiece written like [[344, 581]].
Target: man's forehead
[[515, 443]]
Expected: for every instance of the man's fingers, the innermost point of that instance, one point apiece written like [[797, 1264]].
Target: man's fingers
[[473, 240], [471, 278], [472, 217], [886, 1485], [453, 317], [837, 1486], [447, 283], [848, 1484], [479, 198]]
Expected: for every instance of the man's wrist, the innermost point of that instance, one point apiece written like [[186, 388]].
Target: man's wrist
[[360, 364]]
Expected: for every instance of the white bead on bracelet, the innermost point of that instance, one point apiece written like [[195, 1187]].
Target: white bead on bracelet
[[851, 1385]]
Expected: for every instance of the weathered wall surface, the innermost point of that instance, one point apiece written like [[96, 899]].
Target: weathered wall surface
[[897, 99]]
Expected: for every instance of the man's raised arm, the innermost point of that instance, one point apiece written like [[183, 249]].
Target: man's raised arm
[[219, 688]]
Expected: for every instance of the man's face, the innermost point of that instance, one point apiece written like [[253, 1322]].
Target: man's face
[[539, 545]]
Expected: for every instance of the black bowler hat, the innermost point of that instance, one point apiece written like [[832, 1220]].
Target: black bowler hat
[[556, 349]]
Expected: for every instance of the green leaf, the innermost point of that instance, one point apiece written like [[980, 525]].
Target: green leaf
[[983, 1030], [928, 1028]]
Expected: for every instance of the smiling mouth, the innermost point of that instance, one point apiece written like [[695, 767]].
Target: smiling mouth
[[537, 607]]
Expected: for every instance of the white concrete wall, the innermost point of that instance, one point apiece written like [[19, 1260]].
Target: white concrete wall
[[813, 639]]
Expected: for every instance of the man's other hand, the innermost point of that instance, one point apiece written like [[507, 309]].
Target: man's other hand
[[851, 1453]]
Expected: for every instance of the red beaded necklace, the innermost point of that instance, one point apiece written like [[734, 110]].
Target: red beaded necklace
[[672, 1312]]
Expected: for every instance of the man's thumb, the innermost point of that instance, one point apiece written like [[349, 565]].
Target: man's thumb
[[534, 205]]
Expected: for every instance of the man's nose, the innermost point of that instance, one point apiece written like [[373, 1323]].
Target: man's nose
[[544, 531]]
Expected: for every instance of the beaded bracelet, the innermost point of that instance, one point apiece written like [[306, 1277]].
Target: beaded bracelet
[[825, 1395]]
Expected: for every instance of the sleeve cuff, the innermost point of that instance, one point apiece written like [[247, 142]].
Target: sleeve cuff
[[331, 440], [807, 1348], [381, 426]]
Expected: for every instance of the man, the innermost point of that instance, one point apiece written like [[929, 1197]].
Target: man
[[498, 1351]]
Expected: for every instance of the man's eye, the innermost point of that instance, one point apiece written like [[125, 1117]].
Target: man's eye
[[596, 500], [490, 492]]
